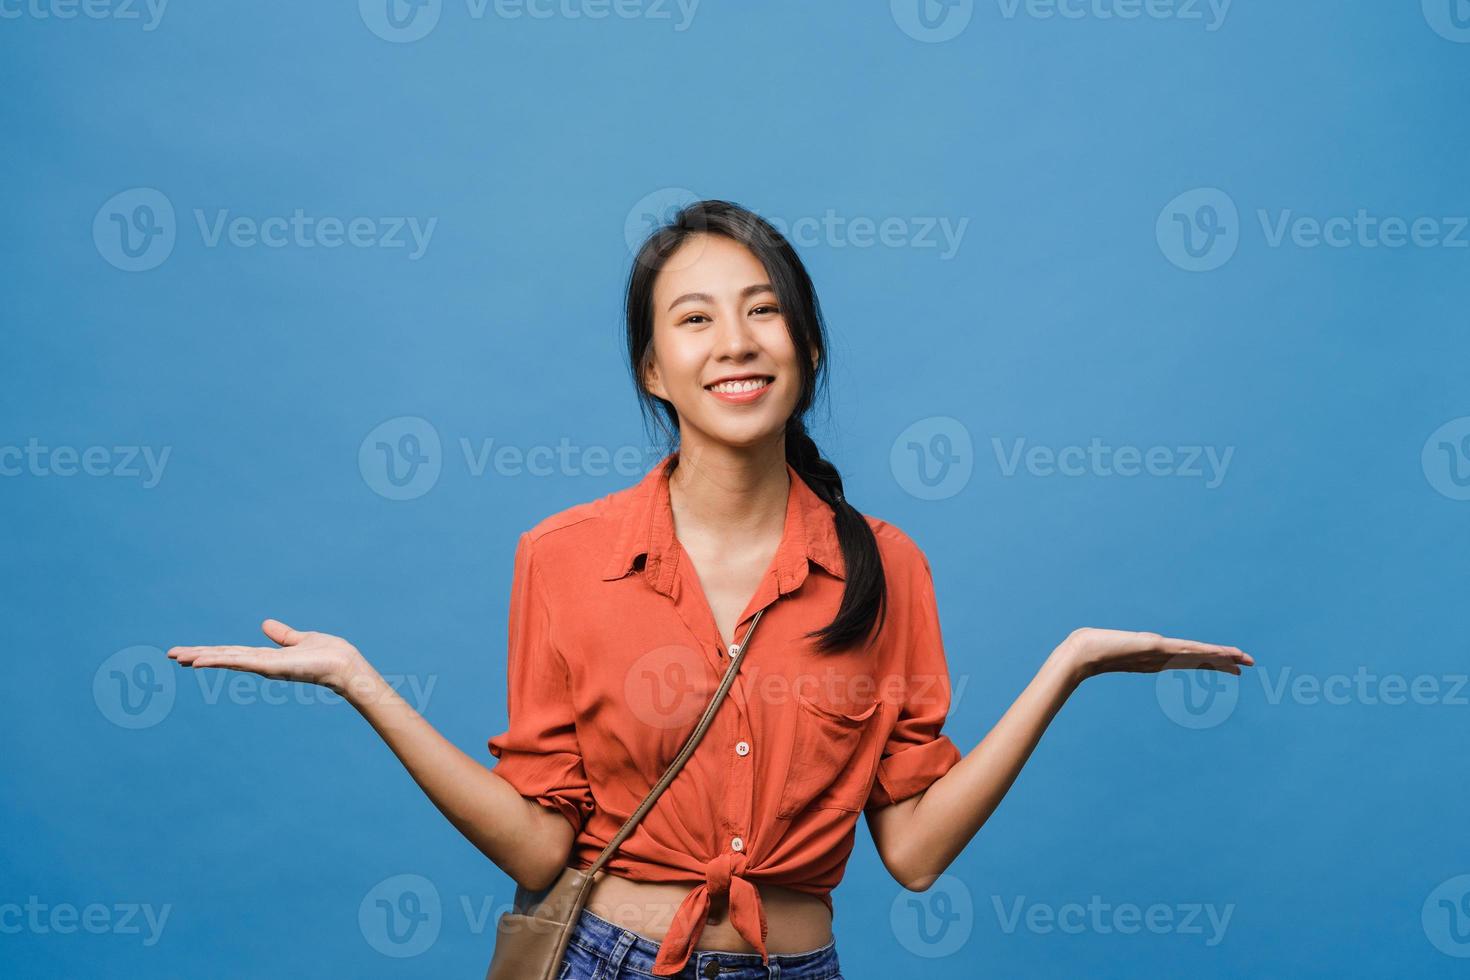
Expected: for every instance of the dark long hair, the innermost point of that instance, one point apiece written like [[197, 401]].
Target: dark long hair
[[864, 595]]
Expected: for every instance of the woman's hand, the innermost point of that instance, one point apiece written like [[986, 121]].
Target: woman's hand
[[313, 658], [1090, 651]]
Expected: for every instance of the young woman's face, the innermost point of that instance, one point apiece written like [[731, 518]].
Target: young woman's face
[[715, 316]]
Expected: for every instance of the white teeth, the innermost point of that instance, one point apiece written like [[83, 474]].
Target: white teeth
[[750, 384]]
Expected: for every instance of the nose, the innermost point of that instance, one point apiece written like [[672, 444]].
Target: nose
[[734, 338]]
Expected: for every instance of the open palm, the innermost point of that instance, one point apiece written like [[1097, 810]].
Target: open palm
[[1102, 651], [312, 658]]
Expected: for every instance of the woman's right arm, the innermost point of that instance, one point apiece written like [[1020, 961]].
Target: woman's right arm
[[526, 840], [518, 834]]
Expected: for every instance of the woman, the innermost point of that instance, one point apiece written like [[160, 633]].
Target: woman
[[623, 612]]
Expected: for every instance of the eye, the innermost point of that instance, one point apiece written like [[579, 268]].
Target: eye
[[693, 317], [769, 307]]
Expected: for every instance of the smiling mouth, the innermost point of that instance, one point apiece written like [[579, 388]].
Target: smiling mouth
[[743, 385]]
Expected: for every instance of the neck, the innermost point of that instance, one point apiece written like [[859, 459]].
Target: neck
[[724, 489]]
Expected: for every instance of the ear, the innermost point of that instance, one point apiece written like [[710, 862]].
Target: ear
[[815, 356], [652, 383]]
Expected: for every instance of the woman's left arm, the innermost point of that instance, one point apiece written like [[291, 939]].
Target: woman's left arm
[[918, 837]]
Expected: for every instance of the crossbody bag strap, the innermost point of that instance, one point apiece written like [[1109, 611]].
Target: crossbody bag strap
[[684, 753]]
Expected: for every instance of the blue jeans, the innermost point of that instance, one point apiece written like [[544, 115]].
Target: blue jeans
[[603, 950]]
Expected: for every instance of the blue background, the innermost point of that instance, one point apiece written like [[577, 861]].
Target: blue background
[[1329, 548]]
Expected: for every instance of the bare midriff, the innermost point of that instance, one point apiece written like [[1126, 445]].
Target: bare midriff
[[795, 921]]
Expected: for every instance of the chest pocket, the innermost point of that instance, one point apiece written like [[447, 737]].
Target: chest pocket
[[825, 769]]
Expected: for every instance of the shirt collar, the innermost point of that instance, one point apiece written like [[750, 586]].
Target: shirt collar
[[646, 527]]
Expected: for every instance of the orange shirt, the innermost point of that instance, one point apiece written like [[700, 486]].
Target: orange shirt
[[614, 655]]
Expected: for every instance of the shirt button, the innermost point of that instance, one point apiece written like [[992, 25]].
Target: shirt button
[[736, 844], [734, 649], [742, 747]]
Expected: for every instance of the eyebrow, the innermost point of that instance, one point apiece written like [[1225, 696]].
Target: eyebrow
[[761, 287]]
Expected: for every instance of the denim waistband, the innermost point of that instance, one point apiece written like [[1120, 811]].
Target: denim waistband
[[626, 948]]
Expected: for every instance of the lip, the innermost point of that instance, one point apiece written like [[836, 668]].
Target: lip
[[742, 397]]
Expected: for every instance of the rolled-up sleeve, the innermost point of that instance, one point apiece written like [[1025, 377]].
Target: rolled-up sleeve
[[917, 752], [538, 752]]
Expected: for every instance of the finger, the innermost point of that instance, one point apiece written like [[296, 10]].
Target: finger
[[1234, 654], [281, 633], [1224, 668], [257, 659], [191, 655], [184, 654], [1202, 660]]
